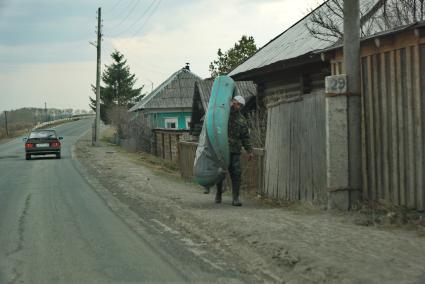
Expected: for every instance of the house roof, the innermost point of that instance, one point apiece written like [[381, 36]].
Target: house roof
[[246, 89], [292, 43], [175, 92], [390, 32]]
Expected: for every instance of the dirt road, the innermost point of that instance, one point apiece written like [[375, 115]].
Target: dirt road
[[262, 242]]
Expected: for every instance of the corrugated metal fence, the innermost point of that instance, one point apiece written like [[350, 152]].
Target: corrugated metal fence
[[393, 126]]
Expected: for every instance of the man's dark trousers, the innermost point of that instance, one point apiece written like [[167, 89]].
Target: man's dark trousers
[[235, 175]]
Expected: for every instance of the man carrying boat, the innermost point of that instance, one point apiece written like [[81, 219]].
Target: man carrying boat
[[238, 136]]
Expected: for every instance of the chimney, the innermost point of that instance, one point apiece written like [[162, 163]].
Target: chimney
[[187, 67]]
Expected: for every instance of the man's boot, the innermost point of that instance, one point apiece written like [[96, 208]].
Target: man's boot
[[219, 192], [235, 193]]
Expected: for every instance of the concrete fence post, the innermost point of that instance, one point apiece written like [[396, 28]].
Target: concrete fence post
[[343, 119]]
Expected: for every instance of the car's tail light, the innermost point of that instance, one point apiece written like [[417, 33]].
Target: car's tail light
[[29, 145], [55, 144]]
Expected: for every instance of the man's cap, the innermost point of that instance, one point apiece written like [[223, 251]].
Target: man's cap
[[239, 99]]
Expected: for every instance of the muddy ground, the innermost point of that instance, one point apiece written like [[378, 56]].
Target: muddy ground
[[263, 241]]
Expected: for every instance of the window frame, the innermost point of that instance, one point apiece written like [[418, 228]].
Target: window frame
[[174, 120], [187, 120]]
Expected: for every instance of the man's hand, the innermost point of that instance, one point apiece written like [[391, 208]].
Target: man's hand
[[250, 156]]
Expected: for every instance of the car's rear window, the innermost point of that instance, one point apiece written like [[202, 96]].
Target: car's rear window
[[43, 134]]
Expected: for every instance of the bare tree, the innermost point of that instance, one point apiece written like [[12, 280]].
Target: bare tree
[[119, 117], [132, 126], [326, 22], [257, 123], [140, 129]]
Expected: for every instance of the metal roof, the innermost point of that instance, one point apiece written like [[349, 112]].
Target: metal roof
[[175, 92], [294, 42], [389, 32]]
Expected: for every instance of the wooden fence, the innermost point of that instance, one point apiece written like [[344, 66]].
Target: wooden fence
[[187, 152], [252, 171], [393, 85], [166, 143], [295, 168]]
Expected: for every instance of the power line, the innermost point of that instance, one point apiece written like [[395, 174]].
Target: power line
[[128, 15], [146, 66], [152, 12], [124, 11], [146, 15], [147, 19], [140, 18], [113, 7]]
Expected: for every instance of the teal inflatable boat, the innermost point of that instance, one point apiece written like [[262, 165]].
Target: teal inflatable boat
[[212, 154]]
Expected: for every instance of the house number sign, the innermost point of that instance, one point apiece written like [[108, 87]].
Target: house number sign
[[336, 84]]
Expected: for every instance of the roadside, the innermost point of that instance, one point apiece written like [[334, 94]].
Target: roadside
[[264, 242], [18, 133], [21, 132], [54, 123]]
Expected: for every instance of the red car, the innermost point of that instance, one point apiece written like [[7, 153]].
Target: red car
[[42, 142]]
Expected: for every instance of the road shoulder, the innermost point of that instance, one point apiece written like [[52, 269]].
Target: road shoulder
[[264, 243]]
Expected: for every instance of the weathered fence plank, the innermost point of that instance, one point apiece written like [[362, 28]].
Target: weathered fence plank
[[371, 156], [410, 165], [385, 137], [295, 156], [365, 86], [393, 122], [394, 131], [378, 129], [418, 106], [401, 128]]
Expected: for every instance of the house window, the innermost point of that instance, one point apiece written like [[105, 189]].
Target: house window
[[171, 123], [187, 120]]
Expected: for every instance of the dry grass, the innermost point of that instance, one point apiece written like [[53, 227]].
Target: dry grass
[[151, 161], [108, 134], [386, 215], [157, 163], [15, 134]]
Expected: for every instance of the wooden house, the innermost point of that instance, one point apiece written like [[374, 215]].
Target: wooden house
[[290, 74], [169, 106]]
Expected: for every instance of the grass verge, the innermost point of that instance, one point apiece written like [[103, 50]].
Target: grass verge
[[151, 161]]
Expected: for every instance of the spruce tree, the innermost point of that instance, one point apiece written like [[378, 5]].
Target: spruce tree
[[118, 87]]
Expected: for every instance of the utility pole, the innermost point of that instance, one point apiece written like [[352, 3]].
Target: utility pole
[[151, 85], [352, 69], [343, 121], [45, 112], [98, 47], [5, 123]]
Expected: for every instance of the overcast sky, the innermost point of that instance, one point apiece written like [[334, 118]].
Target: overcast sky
[[45, 55]]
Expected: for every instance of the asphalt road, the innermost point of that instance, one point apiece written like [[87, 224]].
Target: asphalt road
[[55, 229]]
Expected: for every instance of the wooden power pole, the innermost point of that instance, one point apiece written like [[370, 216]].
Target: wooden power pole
[[5, 123], [343, 120], [99, 49], [352, 69]]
